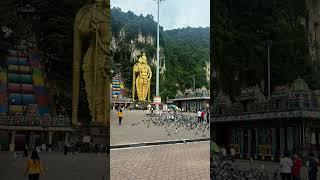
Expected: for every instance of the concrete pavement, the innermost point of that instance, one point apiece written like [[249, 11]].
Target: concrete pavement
[[59, 166], [178, 161]]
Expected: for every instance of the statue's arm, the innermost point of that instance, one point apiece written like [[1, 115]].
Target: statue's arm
[[133, 82], [150, 72], [135, 68]]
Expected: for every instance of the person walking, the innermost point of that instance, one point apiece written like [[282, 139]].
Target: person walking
[[232, 153], [199, 116], [43, 147], [202, 116], [223, 151], [312, 167], [120, 116], [286, 165], [297, 163], [34, 167], [25, 151]]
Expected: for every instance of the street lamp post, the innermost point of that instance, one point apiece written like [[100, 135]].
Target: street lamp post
[[194, 82], [269, 43], [158, 50]]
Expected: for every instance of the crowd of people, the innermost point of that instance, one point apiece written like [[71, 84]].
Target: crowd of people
[[290, 164], [290, 167], [201, 114]]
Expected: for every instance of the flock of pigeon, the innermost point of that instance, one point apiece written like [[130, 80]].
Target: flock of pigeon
[[225, 168], [174, 122]]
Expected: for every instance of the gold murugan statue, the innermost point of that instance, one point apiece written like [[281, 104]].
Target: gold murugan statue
[[142, 83], [92, 23]]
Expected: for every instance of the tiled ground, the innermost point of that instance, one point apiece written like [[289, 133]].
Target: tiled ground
[[59, 166], [126, 133], [177, 162]]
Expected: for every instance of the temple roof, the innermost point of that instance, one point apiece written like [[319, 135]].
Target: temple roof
[[222, 99]]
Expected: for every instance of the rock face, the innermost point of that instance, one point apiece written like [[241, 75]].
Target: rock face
[[135, 50], [312, 26], [137, 46]]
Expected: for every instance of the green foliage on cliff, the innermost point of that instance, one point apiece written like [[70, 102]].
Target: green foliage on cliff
[[184, 52], [241, 31]]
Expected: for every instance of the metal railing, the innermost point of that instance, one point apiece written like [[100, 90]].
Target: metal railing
[[265, 107], [35, 121]]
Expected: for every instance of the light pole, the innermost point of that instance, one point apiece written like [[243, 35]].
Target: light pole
[[158, 50], [194, 82], [269, 43]]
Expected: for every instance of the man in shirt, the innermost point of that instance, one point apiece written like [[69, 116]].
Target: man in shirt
[[232, 153], [199, 116], [223, 151], [202, 116], [297, 163], [285, 167]]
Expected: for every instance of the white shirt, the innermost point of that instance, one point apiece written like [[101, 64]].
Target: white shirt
[[232, 152], [223, 152], [43, 147], [199, 113], [285, 165]]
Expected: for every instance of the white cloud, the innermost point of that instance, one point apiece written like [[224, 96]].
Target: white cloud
[[173, 13]]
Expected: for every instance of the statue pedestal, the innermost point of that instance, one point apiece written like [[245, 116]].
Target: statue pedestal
[[141, 104]]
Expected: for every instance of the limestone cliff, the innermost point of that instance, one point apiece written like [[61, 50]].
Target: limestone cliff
[[313, 30]]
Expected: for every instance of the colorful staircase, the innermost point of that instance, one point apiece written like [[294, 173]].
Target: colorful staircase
[[3, 92], [26, 90]]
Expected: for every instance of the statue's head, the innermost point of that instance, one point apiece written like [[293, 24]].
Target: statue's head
[[144, 58]]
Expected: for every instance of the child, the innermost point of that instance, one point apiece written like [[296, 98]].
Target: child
[[120, 116], [34, 166]]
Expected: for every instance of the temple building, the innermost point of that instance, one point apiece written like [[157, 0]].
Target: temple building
[[266, 129], [190, 101]]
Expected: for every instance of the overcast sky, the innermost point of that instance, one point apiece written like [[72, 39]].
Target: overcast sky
[[173, 13]]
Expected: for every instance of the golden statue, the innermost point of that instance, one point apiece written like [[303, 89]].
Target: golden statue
[[143, 80], [92, 23]]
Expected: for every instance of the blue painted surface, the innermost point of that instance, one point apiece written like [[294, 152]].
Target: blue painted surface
[[43, 110], [15, 99]]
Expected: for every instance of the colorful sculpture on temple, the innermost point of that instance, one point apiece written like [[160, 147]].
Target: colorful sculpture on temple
[[141, 79], [92, 23]]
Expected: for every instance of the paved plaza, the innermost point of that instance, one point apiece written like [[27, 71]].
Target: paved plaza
[[140, 132], [175, 161], [59, 166]]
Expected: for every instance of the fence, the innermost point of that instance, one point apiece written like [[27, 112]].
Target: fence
[[35, 121]]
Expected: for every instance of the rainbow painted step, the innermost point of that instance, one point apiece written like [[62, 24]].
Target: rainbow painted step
[[22, 99], [17, 53], [19, 78], [20, 88], [17, 61], [19, 69]]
